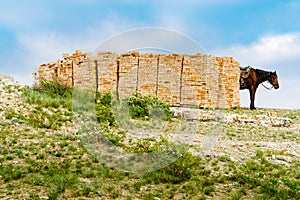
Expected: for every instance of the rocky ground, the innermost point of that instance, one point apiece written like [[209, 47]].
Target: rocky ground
[[240, 135], [12, 102], [212, 133], [236, 134]]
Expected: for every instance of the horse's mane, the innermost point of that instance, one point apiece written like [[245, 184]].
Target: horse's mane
[[262, 75]]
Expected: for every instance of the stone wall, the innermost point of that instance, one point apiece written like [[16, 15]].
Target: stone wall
[[64, 70], [197, 80]]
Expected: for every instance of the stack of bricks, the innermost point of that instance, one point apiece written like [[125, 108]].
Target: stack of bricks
[[148, 74], [169, 78], [128, 65], [106, 66], [48, 71], [85, 75], [63, 70], [200, 81], [229, 80], [197, 80]]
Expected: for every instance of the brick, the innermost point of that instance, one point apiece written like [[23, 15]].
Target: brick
[[205, 81]]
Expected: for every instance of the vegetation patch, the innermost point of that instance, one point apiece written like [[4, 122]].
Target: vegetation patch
[[42, 155]]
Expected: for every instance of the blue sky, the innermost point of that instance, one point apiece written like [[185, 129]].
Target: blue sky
[[261, 33]]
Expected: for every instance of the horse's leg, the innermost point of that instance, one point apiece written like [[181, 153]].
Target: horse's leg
[[252, 97]]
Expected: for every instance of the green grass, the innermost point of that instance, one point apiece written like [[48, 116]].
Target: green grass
[[71, 174], [41, 158]]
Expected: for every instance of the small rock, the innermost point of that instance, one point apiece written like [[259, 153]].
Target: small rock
[[281, 162], [4, 123], [271, 114]]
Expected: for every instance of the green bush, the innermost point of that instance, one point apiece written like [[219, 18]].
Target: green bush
[[105, 98], [54, 89], [103, 109], [49, 94], [54, 94], [104, 114], [179, 171], [140, 107], [143, 107]]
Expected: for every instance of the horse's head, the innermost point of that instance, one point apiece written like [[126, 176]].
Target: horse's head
[[273, 79]]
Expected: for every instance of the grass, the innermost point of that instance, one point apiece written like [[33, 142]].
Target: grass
[[47, 159], [293, 114]]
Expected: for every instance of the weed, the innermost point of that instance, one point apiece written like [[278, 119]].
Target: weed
[[54, 89], [177, 172], [144, 107]]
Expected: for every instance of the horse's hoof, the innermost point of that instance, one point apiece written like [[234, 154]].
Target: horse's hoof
[[253, 108]]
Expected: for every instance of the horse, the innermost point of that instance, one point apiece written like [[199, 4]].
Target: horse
[[251, 78]]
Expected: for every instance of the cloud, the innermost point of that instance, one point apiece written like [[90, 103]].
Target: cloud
[[267, 50], [151, 38], [38, 47], [281, 52], [35, 49]]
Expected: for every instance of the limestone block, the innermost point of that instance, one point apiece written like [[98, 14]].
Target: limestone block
[[187, 79]]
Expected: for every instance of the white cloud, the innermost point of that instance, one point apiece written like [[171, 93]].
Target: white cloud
[[39, 47], [35, 49], [45, 47], [282, 53], [42, 48], [151, 38], [267, 50]]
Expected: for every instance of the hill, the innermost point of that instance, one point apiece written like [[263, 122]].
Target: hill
[[228, 154]]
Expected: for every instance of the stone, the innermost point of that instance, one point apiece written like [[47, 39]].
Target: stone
[[180, 80], [271, 114], [191, 114]]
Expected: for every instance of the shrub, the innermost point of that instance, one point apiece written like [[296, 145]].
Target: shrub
[[54, 89], [140, 107], [105, 98], [143, 107], [45, 96], [103, 108], [179, 171]]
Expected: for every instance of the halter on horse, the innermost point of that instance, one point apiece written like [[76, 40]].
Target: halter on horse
[[250, 79]]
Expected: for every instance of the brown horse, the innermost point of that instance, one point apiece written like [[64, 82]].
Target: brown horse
[[250, 79]]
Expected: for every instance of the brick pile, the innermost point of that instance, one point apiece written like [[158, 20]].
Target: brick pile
[[106, 66], [196, 80], [128, 65], [229, 79], [169, 78], [62, 70]]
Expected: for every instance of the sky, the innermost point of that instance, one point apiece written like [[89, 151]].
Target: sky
[[262, 33]]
